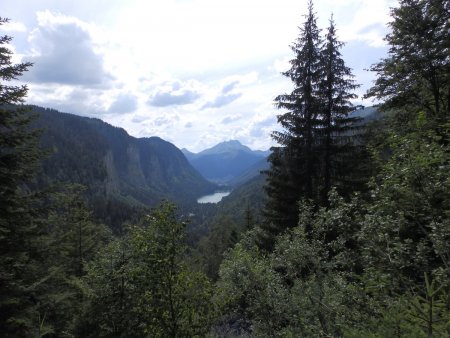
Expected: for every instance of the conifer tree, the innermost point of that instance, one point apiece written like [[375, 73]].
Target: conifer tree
[[337, 134], [415, 76], [317, 145], [20, 228], [292, 172]]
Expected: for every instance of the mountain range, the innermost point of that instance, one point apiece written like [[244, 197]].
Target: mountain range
[[113, 164], [123, 173], [226, 162]]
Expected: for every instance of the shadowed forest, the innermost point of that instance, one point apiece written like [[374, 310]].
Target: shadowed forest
[[344, 232]]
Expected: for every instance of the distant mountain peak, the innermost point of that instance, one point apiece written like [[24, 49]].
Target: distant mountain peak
[[225, 147], [224, 161], [232, 143]]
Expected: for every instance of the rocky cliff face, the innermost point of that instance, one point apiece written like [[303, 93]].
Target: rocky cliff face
[[112, 163]]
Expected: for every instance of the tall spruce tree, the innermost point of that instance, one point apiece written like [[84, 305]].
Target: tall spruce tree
[[316, 145], [292, 172], [415, 76], [338, 148], [19, 217]]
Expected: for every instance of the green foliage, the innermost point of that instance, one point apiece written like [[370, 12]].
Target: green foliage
[[369, 267], [318, 269], [338, 134], [293, 171], [109, 301], [20, 215], [209, 252], [249, 294], [415, 75], [317, 146], [73, 240], [429, 312], [406, 229], [140, 286], [304, 287], [348, 265], [231, 217], [356, 268], [424, 313]]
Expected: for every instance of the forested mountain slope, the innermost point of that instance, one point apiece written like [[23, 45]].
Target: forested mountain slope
[[113, 164]]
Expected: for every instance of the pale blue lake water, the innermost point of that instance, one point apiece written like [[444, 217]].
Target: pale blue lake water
[[213, 198]]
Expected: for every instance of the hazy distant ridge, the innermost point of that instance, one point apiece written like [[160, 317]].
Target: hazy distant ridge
[[225, 161]]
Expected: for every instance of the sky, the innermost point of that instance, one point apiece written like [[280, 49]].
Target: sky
[[193, 72]]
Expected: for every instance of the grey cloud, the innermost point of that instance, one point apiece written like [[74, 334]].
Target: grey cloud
[[124, 103], [377, 27], [165, 119], [263, 128], [176, 85], [162, 99], [230, 119], [79, 101], [160, 121], [229, 87], [222, 100], [256, 132], [139, 119], [188, 125], [267, 122], [67, 57]]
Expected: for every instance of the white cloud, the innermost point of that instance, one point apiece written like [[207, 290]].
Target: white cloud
[[63, 52], [222, 100], [230, 119], [151, 66], [367, 22], [13, 26], [80, 101], [124, 103], [281, 65]]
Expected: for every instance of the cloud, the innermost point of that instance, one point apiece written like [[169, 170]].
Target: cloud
[[368, 22], [229, 91], [80, 101], [230, 119], [164, 99], [222, 100], [165, 120], [13, 26], [63, 53], [188, 125], [124, 103], [139, 119], [174, 93], [281, 65], [229, 87]]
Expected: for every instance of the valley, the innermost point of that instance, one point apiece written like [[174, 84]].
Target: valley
[[340, 229], [124, 176]]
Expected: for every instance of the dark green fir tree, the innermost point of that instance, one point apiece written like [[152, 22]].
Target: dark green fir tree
[[339, 149], [415, 76], [20, 227], [317, 148], [292, 172]]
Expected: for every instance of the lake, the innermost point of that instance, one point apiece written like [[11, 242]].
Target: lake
[[213, 198]]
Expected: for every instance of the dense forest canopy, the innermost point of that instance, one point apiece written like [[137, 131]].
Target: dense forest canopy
[[350, 236]]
